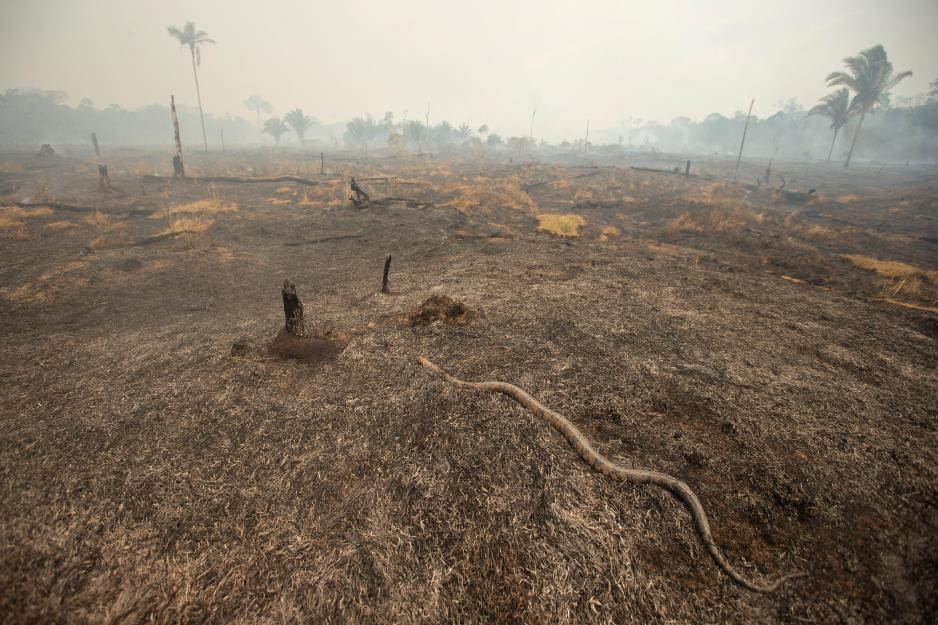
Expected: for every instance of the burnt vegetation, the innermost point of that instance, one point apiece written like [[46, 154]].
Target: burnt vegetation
[[213, 409]]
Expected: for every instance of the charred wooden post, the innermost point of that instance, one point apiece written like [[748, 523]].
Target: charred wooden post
[[743, 142], [384, 280], [359, 197], [687, 169], [179, 170], [104, 181], [293, 311], [322, 162], [94, 140], [222, 132]]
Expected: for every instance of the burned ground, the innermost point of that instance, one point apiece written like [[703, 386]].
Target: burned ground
[[158, 464]]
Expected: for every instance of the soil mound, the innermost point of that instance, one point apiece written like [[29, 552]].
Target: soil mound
[[311, 350], [439, 308]]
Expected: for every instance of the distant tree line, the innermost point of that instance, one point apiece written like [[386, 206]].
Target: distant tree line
[[32, 116]]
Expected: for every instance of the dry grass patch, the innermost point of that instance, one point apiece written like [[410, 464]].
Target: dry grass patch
[[275, 201], [901, 280], [283, 189], [58, 226], [561, 225], [714, 220], [891, 268], [13, 221], [9, 167], [846, 199], [188, 224], [485, 194], [99, 220], [608, 232], [199, 207]]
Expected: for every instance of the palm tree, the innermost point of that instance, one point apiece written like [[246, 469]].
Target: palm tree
[[259, 105], [869, 75], [275, 128], [836, 107], [193, 38], [299, 121]]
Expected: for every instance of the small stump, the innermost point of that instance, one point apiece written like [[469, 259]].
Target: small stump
[[294, 340]]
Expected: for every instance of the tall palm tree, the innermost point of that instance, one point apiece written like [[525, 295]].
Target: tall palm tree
[[299, 121], [193, 38], [836, 107], [870, 76], [259, 105], [275, 128]]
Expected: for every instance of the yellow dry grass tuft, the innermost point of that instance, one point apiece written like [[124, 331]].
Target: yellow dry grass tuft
[[714, 220], [199, 207], [283, 189], [275, 201], [608, 232], [846, 199], [99, 220], [12, 221], [561, 225], [485, 194], [58, 226], [891, 268], [188, 224]]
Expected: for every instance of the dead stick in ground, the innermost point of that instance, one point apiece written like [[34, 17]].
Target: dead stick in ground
[[743, 142], [293, 311], [104, 181], [384, 280], [179, 170], [614, 471]]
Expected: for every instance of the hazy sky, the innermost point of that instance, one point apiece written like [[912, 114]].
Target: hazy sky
[[475, 61]]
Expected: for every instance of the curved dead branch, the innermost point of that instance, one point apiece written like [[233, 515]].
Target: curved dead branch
[[614, 471]]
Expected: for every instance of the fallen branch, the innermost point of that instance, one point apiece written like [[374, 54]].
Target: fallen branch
[[314, 241], [406, 201], [676, 170], [236, 179], [162, 237], [56, 206], [598, 204], [82, 209], [614, 471]]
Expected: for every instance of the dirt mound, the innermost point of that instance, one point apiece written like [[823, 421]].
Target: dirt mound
[[312, 350], [439, 308]]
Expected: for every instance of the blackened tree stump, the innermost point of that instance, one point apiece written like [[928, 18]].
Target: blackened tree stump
[[104, 180], [293, 311], [384, 281]]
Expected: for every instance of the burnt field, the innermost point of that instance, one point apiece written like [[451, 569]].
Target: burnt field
[[776, 351]]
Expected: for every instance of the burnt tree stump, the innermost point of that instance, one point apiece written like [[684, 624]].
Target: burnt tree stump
[[94, 140], [293, 311], [360, 197], [384, 280], [104, 181]]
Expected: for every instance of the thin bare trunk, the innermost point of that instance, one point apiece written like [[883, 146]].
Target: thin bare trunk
[[743, 142], [831, 152], [856, 133], [198, 95]]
